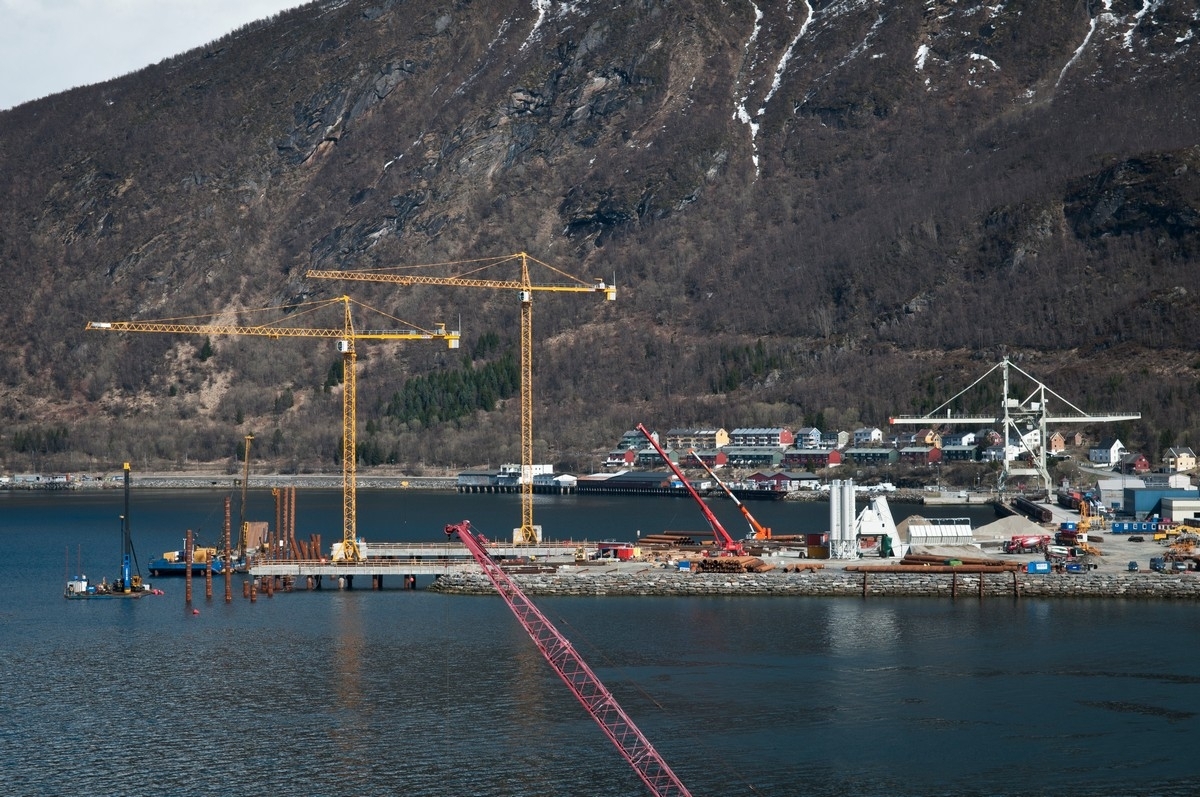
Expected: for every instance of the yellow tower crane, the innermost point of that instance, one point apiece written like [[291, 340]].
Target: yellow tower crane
[[346, 337], [524, 287]]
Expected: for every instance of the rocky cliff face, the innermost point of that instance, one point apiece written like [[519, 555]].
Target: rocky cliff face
[[846, 186]]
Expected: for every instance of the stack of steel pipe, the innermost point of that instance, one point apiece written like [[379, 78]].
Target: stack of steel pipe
[[925, 558], [932, 563]]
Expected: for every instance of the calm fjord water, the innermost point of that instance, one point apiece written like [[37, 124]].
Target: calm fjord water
[[412, 693]]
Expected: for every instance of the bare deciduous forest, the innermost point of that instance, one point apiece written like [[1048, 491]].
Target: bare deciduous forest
[[835, 212]]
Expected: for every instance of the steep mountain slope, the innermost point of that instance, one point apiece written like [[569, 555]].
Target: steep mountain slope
[[823, 211]]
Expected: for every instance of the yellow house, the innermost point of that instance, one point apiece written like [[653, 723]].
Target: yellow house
[[1179, 459]]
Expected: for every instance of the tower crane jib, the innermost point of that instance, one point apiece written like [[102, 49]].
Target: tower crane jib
[[525, 288], [346, 336]]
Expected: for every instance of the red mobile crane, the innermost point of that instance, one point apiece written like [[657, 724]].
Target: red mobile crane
[[761, 532], [633, 746], [729, 545]]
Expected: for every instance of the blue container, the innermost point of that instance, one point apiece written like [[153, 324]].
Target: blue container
[[1037, 567], [1068, 525]]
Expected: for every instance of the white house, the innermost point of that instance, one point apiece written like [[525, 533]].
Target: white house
[[808, 437], [958, 439], [867, 436], [1107, 452]]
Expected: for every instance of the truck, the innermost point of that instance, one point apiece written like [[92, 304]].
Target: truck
[[1027, 543]]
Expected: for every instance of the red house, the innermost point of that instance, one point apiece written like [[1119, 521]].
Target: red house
[[812, 458]]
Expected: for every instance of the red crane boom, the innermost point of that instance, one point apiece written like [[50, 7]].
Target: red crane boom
[[761, 532], [633, 746], [724, 539]]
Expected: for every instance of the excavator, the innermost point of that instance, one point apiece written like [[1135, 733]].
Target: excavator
[[729, 546], [759, 531]]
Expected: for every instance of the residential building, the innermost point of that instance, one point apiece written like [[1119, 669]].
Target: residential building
[[771, 436], [868, 435], [1133, 462], [920, 455], [998, 453], [988, 436], [812, 458], [714, 457], [928, 437], [754, 456], [958, 453], [872, 456], [683, 439], [959, 439], [783, 480], [649, 458], [1178, 459], [621, 458], [839, 439], [633, 440], [808, 437], [1107, 452]]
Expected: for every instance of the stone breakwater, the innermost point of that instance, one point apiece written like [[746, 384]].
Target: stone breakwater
[[835, 583]]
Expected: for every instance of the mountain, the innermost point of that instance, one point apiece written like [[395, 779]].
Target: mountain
[[815, 214]]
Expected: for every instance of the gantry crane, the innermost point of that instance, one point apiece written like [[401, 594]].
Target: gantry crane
[[525, 288], [1023, 422], [346, 337]]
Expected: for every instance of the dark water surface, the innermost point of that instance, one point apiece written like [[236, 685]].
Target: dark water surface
[[412, 693]]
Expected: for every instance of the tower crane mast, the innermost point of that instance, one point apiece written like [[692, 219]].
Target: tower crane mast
[[346, 336], [525, 288]]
